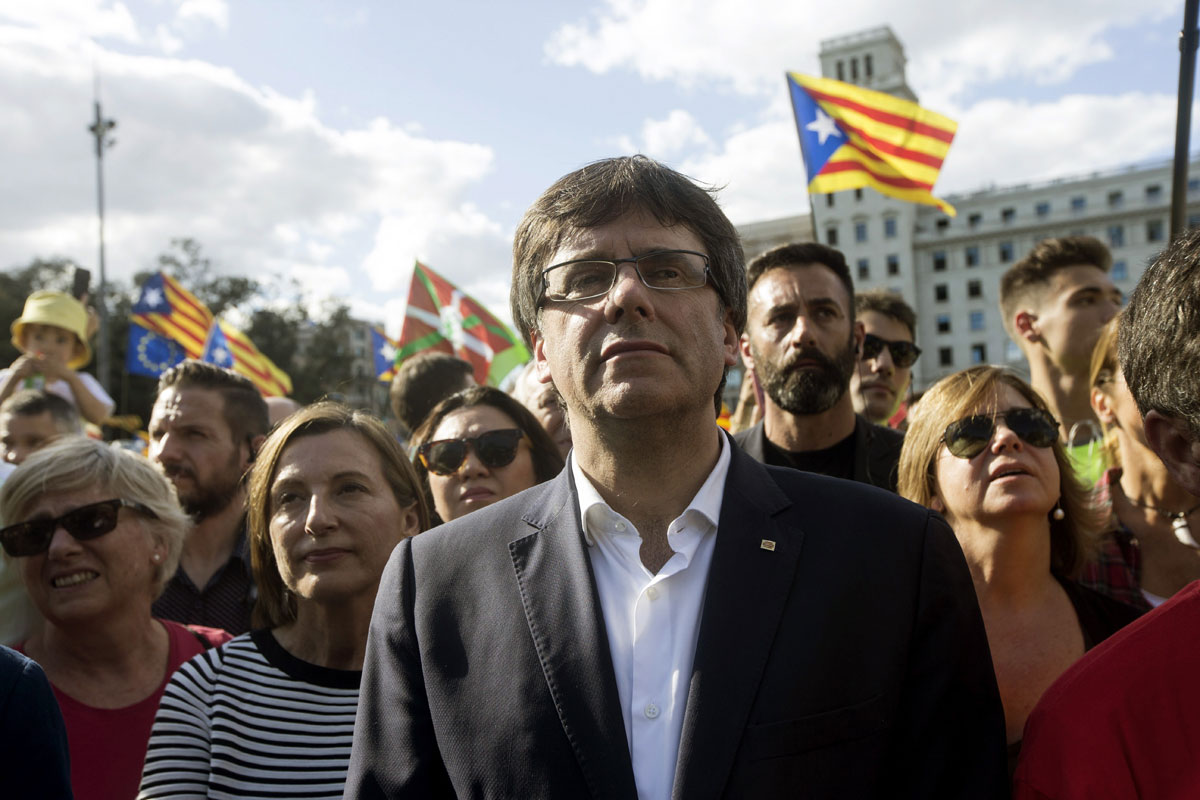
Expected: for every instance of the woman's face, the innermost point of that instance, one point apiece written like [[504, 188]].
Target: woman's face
[[474, 484], [76, 582], [333, 518], [1009, 477]]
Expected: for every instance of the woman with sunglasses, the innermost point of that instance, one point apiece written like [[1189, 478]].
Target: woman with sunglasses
[[1152, 547], [999, 475], [96, 532], [479, 446], [271, 714]]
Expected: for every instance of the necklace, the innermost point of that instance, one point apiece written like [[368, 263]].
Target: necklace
[[1179, 523]]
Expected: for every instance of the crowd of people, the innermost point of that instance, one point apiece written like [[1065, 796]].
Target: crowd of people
[[583, 587]]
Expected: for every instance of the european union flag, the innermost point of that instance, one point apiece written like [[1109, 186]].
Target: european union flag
[[216, 349], [150, 354]]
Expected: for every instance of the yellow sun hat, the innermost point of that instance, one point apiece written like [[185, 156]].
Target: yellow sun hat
[[60, 310]]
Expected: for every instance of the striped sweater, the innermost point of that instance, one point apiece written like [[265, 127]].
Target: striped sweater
[[249, 719]]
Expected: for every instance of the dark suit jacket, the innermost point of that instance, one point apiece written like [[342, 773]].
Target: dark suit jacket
[[848, 662], [876, 451]]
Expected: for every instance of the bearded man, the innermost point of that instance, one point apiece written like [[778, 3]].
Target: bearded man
[[205, 428], [802, 342]]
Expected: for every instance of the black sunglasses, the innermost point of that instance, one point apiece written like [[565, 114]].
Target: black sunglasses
[[495, 449], [86, 522], [968, 437], [904, 354]]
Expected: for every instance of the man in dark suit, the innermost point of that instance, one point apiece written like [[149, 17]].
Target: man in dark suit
[[802, 342], [669, 618]]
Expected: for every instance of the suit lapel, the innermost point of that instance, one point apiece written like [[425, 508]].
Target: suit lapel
[[558, 593], [748, 587]]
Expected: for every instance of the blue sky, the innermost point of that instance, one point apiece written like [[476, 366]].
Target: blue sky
[[336, 143]]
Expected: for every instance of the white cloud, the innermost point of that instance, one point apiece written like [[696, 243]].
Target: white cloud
[[674, 134], [213, 12], [168, 42], [75, 18]]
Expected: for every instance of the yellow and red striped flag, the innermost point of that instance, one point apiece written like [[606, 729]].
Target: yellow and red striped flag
[[166, 308], [852, 137], [230, 348]]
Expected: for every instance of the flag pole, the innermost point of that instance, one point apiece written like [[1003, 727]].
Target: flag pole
[[1183, 118], [812, 207]]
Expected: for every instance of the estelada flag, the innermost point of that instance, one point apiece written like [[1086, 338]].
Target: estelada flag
[[441, 317], [230, 348], [166, 308], [852, 137], [383, 349]]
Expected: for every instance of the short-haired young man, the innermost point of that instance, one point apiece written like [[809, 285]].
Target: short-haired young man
[[1054, 302], [668, 617], [205, 428], [803, 343], [425, 380], [1120, 722], [31, 419], [889, 351]]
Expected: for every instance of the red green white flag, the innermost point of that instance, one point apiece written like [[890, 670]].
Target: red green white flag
[[441, 317]]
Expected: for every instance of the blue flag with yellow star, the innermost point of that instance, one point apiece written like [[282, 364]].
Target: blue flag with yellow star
[[150, 354]]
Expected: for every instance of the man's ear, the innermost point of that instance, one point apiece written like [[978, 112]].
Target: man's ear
[[860, 334], [540, 363], [732, 342], [744, 346], [1174, 443], [1025, 324], [1102, 405]]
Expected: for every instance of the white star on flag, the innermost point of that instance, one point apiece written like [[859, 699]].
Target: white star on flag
[[152, 297], [823, 126], [222, 356], [388, 352]]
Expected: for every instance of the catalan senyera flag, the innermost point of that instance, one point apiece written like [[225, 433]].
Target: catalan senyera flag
[[384, 351], [853, 137], [228, 347], [440, 317], [166, 308]]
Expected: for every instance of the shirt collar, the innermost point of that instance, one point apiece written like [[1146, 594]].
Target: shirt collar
[[707, 501]]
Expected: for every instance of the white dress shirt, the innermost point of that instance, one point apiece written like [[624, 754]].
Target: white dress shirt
[[652, 620]]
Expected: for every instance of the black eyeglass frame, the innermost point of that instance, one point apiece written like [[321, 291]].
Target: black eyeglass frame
[[1025, 422], [706, 276], [45, 528], [472, 443], [873, 345]]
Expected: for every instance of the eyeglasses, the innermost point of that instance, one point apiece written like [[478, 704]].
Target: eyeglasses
[[84, 523], [904, 354], [968, 437], [495, 449], [669, 270]]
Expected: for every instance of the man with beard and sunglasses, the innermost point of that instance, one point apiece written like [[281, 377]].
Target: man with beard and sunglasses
[[205, 428], [803, 343]]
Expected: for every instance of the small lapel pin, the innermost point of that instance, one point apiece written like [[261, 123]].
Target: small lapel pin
[[767, 544]]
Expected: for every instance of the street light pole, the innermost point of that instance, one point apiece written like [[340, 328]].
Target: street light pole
[[100, 128]]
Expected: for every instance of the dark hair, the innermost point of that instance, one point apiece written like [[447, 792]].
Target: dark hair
[[423, 381], [35, 402], [1026, 280], [245, 411], [275, 605], [799, 254], [890, 304], [605, 191], [1159, 338], [547, 461]]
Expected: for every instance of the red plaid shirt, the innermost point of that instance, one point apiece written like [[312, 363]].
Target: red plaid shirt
[[1117, 567]]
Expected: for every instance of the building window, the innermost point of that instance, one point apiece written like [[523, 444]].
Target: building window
[[1007, 215], [975, 320], [1116, 198], [1154, 230], [945, 357], [854, 69], [972, 256], [893, 264], [1042, 209], [939, 261], [841, 71], [941, 292], [942, 224], [1116, 235], [974, 289], [831, 237], [889, 228], [860, 231], [1120, 271], [943, 323], [974, 220], [864, 269], [868, 65], [1153, 193], [1006, 252], [979, 354], [857, 195], [1078, 203], [829, 200]]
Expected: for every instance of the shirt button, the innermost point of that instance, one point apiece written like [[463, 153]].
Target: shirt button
[[651, 711], [652, 592]]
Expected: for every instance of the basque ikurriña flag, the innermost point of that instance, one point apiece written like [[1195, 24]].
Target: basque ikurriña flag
[[440, 317], [852, 137]]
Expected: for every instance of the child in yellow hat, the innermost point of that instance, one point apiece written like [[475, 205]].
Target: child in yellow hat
[[52, 335]]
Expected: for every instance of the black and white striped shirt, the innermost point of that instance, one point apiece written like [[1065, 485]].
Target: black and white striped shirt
[[249, 719]]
